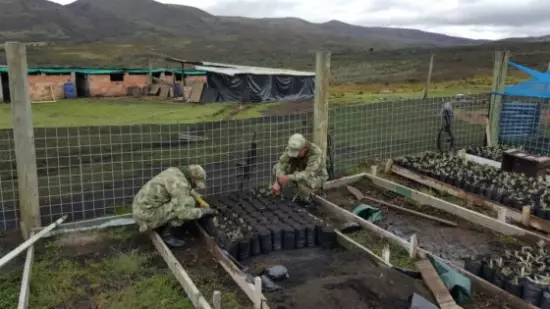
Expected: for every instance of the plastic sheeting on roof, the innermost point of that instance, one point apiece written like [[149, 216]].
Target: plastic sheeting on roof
[[538, 86], [101, 71], [233, 70]]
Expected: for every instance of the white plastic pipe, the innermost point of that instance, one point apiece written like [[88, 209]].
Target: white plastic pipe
[[29, 242]]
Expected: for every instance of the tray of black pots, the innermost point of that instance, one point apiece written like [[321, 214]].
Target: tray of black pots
[[511, 189], [524, 273], [489, 152], [251, 224]]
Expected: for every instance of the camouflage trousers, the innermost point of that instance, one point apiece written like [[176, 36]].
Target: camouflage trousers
[[150, 218], [303, 189]]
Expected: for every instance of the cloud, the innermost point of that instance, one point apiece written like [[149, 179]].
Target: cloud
[[487, 19]]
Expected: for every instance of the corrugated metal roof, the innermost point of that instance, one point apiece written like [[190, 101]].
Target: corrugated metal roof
[[229, 69]]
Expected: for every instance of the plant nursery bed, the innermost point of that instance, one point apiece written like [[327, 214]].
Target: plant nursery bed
[[451, 243], [333, 279], [111, 268], [207, 274], [510, 189], [321, 273]]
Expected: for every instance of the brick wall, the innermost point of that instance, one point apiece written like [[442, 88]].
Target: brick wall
[[39, 86], [101, 85]]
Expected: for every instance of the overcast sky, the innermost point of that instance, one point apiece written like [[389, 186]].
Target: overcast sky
[[482, 19]]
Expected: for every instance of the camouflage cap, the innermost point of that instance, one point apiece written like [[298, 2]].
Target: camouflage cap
[[295, 143], [198, 175]]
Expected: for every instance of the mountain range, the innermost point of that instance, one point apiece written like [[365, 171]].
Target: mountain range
[[146, 20]]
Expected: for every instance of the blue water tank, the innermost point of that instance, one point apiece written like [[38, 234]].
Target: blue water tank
[[177, 90], [519, 120], [69, 90]]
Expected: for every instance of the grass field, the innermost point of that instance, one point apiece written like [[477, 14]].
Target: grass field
[[147, 110]]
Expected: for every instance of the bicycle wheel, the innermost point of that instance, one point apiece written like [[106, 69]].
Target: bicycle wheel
[[445, 141]]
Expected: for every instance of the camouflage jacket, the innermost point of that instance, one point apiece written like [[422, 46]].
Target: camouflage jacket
[[170, 190], [312, 165]]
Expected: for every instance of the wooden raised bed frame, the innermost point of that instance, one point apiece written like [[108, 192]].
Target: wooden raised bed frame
[[464, 213]]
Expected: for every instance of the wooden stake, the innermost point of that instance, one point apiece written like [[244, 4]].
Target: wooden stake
[[257, 293], [429, 76], [526, 212], [26, 280], [388, 166], [1, 90], [374, 170], [23, 132], [217, 300], [386, 254], [499, 82], [502, 214], [320, 113], [414, 245]]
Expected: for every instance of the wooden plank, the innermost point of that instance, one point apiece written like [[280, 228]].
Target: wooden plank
[[196, 92], [496, 225], [421, 253], [26, 279], [23, 133], [348, 180], [234, 272], [512, 214], [351, 217], [179, 272], [351, 244], [29, 242], [320, 112], [434, 283], [429, 78]]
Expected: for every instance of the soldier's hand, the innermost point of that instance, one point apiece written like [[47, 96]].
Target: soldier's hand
[[276, 188], [207, 212]]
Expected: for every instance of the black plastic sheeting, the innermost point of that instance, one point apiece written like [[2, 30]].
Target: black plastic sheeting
[[257, 88]]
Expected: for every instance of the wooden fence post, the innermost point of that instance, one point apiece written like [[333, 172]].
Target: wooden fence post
[[1, 90], [499, 82], [320, 113], [428, 80], [23, 133]]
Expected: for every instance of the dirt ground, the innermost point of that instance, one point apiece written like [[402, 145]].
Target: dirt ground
[[206, 273], [331, 279], [451, 243], [290, 108]]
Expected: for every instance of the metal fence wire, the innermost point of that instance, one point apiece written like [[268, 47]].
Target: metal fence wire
[[89, 172]]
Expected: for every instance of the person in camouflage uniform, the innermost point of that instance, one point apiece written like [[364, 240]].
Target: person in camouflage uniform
[[165, 202], [303, 164]]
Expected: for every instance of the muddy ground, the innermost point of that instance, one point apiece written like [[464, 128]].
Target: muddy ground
[[331, 279], [451, 243], [206, 273]]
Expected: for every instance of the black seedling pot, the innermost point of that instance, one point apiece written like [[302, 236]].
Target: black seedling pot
[[276, 237], [545, 299], [310, 235], [289, 238], [499, 279], [541, 213], [514, 289], [474, 266], [532, 292], [328, 238], [266, 243], [255, 248], [244, 249], [487, 272], [300, 235]]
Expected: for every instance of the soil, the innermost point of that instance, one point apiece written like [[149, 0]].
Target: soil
[[451, 243], [331, 279], [203, 268]]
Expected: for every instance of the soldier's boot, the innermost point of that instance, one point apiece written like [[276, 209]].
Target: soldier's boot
[[168, 236]]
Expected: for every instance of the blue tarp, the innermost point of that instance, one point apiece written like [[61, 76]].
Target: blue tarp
[[538, 86]]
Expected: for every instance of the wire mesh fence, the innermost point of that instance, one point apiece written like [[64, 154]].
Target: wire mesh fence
[[89, 172], [373, 132]]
